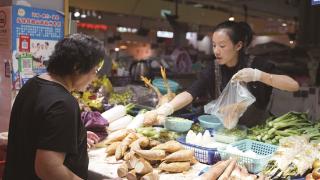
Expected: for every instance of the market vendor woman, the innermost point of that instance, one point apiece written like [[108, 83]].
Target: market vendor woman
[[230, 40]]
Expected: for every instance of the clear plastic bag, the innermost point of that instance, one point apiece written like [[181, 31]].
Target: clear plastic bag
[[231, 104]]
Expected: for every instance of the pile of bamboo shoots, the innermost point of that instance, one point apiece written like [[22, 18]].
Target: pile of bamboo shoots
[[229, 170], [141, 155]]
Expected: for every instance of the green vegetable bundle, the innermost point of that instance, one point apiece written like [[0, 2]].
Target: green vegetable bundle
[[290, 124]]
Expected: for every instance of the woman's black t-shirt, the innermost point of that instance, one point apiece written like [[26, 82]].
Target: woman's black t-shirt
[[45, 116], [256, 113]]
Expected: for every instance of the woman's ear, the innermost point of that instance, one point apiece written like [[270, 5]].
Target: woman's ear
[[239, 45]]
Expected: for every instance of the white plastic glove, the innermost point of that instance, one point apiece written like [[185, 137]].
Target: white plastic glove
[[165, 109], [247, 75]]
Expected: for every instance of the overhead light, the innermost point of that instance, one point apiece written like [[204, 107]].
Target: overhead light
[[231, 18], [123, 47], [165, 34], [191, 35], [76, 14], [83, 15], [284, 24], [116, 49], [291, 42]]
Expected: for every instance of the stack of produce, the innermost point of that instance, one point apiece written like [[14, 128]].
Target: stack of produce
[[228, 170], [93, 97], [123, 98], [162, 135], [199, 139], [141, 155], [118, 117], [290, 124], [294, 157]]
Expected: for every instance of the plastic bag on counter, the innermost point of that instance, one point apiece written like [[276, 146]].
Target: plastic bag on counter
[[231, 104]]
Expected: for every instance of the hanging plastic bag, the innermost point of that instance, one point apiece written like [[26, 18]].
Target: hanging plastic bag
[[231, 104]]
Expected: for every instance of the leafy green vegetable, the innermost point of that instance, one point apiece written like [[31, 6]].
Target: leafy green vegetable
[[289, 124], [196, 128], [238, 132]]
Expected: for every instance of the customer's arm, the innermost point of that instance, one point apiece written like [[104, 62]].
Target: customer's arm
[[49, 165]]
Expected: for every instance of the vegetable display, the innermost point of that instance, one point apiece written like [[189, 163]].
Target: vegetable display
[[162, 135], [290, 124], [123, 98], [294, 157], [141, 157], [228, 170], [116, 112]]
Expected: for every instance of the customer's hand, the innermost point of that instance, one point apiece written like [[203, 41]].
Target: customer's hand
[[92, 138], [247, 75]]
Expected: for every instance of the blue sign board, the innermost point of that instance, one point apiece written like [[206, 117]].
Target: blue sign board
[[34, 33]]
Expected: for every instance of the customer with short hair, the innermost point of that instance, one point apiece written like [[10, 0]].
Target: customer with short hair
[[47, 139]]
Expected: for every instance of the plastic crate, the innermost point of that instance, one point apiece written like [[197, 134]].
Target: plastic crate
[[254, 165], [202, 154]]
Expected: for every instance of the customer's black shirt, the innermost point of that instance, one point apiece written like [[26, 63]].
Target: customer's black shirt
[[45, 116]]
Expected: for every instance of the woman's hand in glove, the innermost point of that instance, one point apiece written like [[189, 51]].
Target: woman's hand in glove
[[158, 115], [92, 138], [247, 75]]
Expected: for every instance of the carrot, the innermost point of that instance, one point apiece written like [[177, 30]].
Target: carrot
[[122, 170], [151, 154], [176, 167], [150, 176], [216, 170], [182, 155], [170, 146], [226, 174], [111, 149], [143, 167]]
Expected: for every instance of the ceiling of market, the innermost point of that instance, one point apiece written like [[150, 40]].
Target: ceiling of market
[[262, 15]]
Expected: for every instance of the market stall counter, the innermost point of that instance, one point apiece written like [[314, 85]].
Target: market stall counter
[[102, 167]]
